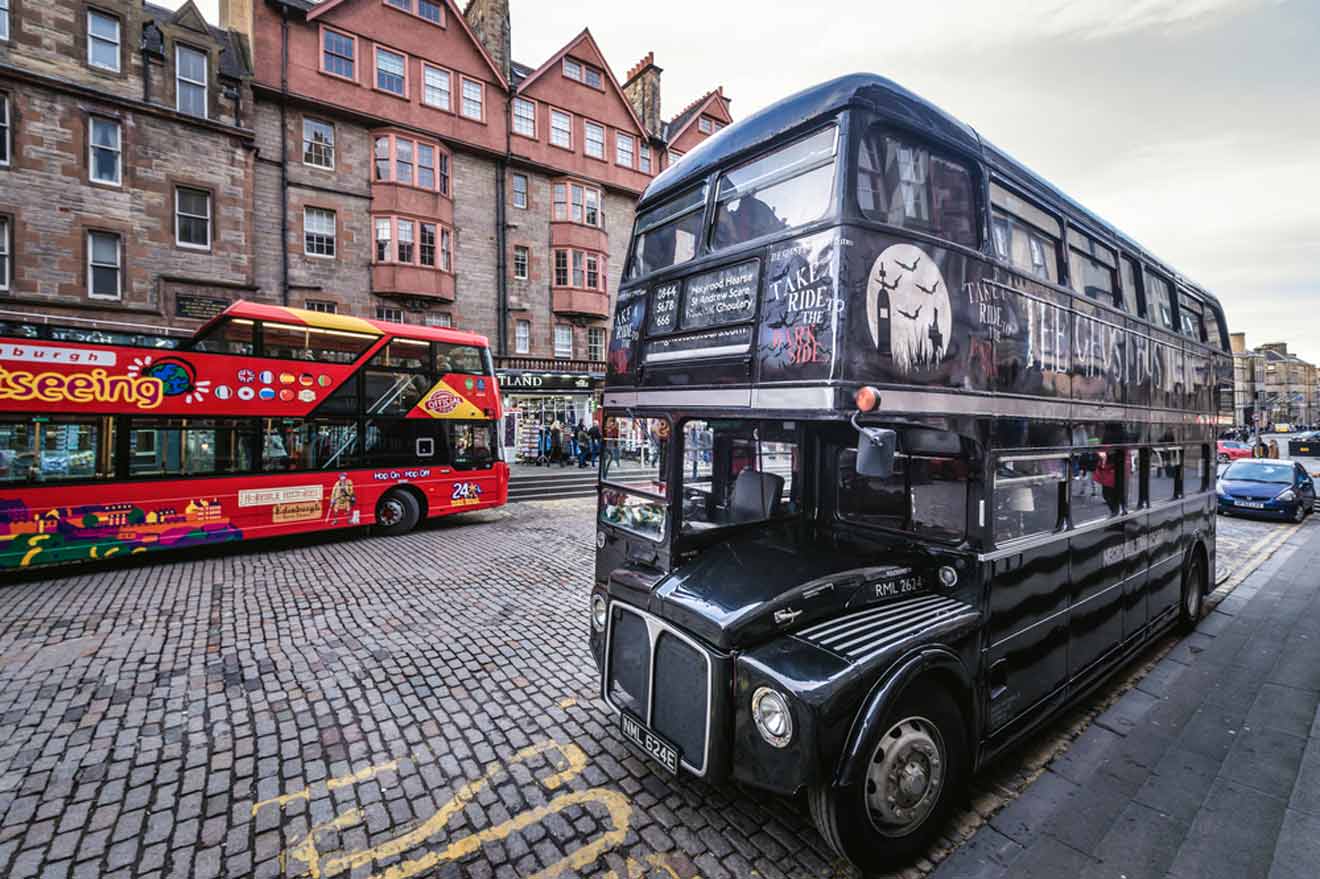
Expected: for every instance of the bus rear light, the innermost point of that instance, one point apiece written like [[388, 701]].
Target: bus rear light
[[868, 398]]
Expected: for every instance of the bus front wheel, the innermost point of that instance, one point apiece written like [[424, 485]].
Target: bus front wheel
[[916, 771], [397, 513]]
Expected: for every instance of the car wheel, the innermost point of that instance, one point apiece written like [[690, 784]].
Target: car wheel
[[397, 513], [1299, 512], [916, 772], [1193, 593]]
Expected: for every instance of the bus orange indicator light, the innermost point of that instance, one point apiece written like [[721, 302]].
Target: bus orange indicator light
[[867, 398]]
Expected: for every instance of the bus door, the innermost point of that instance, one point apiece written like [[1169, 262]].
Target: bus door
[[1027, 640], [1164, 541], [1136, 552], [1096, 557]]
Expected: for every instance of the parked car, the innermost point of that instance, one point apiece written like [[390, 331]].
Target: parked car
[[1277, 489], [1231, 450]]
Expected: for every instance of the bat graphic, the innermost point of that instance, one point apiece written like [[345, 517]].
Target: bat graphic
[[893, 286], [929, 291], [911, 268], [912, 316]]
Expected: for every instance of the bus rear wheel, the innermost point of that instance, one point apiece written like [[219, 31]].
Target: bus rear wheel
[[1193, 593], [397, 513], [916, 771]]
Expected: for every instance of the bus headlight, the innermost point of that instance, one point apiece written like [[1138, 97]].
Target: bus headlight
[[948, 577], [598, 610], [770, 714]]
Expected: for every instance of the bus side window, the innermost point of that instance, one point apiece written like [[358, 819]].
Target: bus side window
[[1129, 464], [309, 444], [53, 449], [1028, 493], [905, 184], [290, 342], [1095, 492], [1193, 470], [190, 446], [1159, 303], [1165, 466], [1092, 267], [1132, 299], [230, 336]]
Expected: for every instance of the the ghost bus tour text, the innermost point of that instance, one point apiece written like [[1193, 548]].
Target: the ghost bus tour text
[[118, 440], [905, 451]]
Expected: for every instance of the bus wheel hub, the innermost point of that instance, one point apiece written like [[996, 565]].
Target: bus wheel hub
[[906, 774]]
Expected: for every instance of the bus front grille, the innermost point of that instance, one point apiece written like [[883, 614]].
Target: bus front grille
[[662, 677]]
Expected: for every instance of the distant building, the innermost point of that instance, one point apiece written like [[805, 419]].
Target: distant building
[[1281, 387]]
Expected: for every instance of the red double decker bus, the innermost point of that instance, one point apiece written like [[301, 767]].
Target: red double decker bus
[[267, 421]]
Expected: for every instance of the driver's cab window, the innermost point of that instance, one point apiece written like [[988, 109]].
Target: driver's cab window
[[735, 472], [926, 493]]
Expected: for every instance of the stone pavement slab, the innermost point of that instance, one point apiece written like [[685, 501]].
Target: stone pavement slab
[[1209, 768]]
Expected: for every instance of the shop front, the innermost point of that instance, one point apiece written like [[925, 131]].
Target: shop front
[[535, 400]]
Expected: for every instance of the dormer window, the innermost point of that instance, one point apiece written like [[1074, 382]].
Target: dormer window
[[102, 40], [190, 81], [706, 125]]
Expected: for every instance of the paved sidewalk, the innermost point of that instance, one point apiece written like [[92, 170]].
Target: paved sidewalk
[[1209, 768]]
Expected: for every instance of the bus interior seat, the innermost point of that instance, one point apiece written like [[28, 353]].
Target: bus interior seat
[[755, 495]]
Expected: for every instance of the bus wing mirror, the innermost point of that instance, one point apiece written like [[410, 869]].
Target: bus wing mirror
[[875, 451]]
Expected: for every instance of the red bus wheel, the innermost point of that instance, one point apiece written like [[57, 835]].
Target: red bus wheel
[[397, 513]]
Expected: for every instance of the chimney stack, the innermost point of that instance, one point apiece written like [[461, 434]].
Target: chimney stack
[[489, 20], [238, 15], [642, 89]]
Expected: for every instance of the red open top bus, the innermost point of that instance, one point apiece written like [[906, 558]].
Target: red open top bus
[[267, 421]]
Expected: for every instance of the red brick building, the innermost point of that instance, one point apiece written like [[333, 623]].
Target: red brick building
[[126, 149]]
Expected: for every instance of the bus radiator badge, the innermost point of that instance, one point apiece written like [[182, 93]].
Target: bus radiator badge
[[786, 616]]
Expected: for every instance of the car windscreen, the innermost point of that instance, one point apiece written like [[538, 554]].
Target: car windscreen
[[1259, 471]]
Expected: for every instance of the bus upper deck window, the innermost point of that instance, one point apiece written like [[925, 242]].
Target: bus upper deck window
[[667, 234], [904, 184], [290, 342], [229, 336], [787, 188]]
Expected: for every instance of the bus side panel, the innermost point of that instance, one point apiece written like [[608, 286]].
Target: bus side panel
[[1027, 657], [1166, 557], [1096, 617], [1135, 590]]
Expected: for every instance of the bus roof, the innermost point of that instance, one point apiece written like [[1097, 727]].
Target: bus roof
[[343, 322], [887, 98]]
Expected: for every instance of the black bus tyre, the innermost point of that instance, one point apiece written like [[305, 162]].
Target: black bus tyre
[[1193, 593], [397, 513], [916, 772]]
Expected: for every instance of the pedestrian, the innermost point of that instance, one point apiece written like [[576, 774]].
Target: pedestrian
[[595, 436], [612, 440], [583, 439], [557, 443]]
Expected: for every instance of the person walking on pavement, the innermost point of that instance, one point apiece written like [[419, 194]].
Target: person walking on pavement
[[557, 443], [583, 440], [594, 435]]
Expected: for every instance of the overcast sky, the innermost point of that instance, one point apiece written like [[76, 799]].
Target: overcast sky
[[1192, 125]]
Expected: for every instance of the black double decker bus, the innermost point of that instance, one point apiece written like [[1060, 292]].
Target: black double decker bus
[[918, 451]]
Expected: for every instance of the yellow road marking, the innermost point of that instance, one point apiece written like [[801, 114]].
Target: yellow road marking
[[1260, 551], [567, 702], [362, 775]]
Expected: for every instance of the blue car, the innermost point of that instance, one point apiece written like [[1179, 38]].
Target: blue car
[[1267, 488]]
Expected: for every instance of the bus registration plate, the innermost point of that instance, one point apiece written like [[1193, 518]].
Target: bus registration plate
[[665, 753]]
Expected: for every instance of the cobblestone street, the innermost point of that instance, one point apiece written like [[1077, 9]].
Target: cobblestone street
[[357, 706]]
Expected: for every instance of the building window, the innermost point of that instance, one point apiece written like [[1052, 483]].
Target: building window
[[520, 190], [405, 5], [4, 253], [431, 11], [472, 99], [384, 233], [585, 203], [436, 88], [645, 155], [411, 163], [338, 53], [318, 232], [595, 139], [4, 19], [393, 315], [705, 124], [524, 117], [444, 321], [586, 269], [405, 230], [426, 249], [561, 129], [102, 39], [583, 73], [522, 337], [596, 343], [105, 158], [321, 307], [563, 342], [391, 72], [623, 149], [103, 265], [192, 209], [4, 129], [520, 260], [190, 81], [318, 143], [445, 248]]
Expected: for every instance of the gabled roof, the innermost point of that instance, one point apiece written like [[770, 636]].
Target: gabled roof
[[679, 124], [586, 36], [453, 13], [189, 17]]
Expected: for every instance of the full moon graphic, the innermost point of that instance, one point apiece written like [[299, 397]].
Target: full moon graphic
[[907, 307]]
